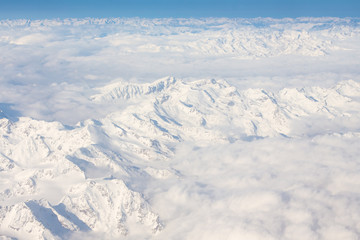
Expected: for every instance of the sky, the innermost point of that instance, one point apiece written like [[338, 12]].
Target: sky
[[39, 9]]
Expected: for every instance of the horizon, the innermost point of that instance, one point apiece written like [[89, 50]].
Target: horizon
[[305, 18], [280, 19]]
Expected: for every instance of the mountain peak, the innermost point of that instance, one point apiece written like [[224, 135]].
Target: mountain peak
[[124, 91]]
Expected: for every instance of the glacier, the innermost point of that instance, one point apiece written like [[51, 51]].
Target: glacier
[[254, 134]]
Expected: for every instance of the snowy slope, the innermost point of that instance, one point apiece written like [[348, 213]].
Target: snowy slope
[[49, 68], [98, 176], [48, 162], [243, 38], [207, 107], [91, 147]]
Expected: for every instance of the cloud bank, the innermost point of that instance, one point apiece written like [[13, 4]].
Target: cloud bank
[[256, 136], [50, 66]]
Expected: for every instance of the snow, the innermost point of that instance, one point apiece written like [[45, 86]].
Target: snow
[[96, 143], [59, 62]]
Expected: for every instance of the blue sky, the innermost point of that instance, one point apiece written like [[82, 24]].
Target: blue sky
[[36, 9]]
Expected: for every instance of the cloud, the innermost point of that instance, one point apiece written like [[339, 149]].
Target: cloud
[[273, 188], [249, 53], [219, 183]]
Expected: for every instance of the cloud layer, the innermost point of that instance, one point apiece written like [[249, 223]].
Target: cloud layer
[[50, 66], [269, 153]]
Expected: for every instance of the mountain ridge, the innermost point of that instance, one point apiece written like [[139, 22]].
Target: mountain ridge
[[98, 169]]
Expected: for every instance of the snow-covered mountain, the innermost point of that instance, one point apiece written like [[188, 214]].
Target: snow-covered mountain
[[91, 147], [59, 182], [48, 162], [241, 38], [49, 68]]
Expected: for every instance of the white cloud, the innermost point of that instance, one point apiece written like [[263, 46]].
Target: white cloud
[[249, 53], [268, 160], [271, 188]]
